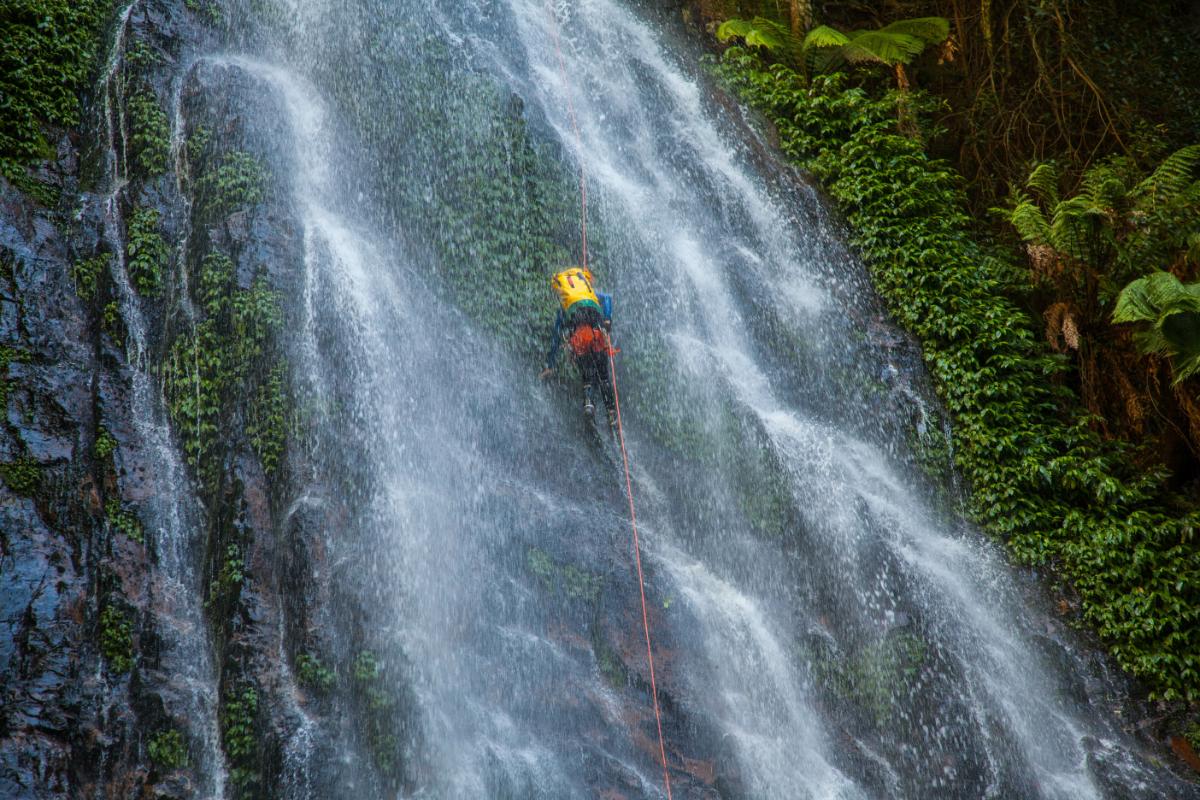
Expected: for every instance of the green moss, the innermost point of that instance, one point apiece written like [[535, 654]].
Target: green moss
[[1041, 478], [105, 444], [122, 521], [23, 476], [88, 273], [147, 253], [116, 639], [167, 750], [313, 674], [150, 131], [47, 48]]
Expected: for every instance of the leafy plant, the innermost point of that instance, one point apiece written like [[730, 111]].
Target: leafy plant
[[235, 182], [87, 273], [150, 132], [167, 750], [1172, 311], [46, 50], [313, 674], [122, 521], [238, 715], [105, 444], [148, 254], [1041, 479], [1118, 226], [765, 33], [116, 639], [23, 475], [894, 45]]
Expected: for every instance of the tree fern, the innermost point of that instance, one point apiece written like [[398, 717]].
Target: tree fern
[[1028, 219], [1176, 175], [1044, 180], [1170, 312], [931, 30], [762, 32], [898, 43]]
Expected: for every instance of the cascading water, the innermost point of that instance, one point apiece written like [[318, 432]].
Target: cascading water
[[186, 665], [824, 630]]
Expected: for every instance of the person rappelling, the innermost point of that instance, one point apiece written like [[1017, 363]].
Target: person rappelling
[[584, 324]]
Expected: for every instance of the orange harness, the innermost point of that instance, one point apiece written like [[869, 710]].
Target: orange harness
[[588, 339]]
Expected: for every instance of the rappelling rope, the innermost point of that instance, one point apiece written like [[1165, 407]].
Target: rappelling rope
[[612, 371]]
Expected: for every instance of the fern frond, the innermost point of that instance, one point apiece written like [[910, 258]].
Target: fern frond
[[734, 27], [825, 36], [931, 30], [1071, 225], [886, 48], [1029, 220], [1174, 176], [1146, 299], [1044, 180], [761, 32], [1105, 188]]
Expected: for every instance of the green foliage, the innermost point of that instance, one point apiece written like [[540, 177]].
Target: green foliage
[[150, 132], [897, 43], [23, 476], [1119, 226], [147, 252], [268, 419], [762, 32], [1040, 478], [87, 274], [1172, 311], [140, 55], [869, 677], [238, 715], [222, 359], [365, 667], [207, 10], [105, 444], [608, 660], [576, 583], [313, 674], [116, 639], [47, 48], [123, 521], [112, 323], [168, 750], [501, 203], [234, 182]]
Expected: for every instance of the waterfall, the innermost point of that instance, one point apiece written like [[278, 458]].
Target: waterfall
[[825, 629]]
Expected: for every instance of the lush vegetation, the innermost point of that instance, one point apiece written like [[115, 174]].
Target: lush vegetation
[[47, 49], [1041, 476]]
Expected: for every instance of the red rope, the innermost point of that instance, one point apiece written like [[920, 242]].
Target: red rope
[[562, 71], [637, 549], [637, 559]]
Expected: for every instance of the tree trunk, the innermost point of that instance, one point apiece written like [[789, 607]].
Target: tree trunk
[[801, 16]]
